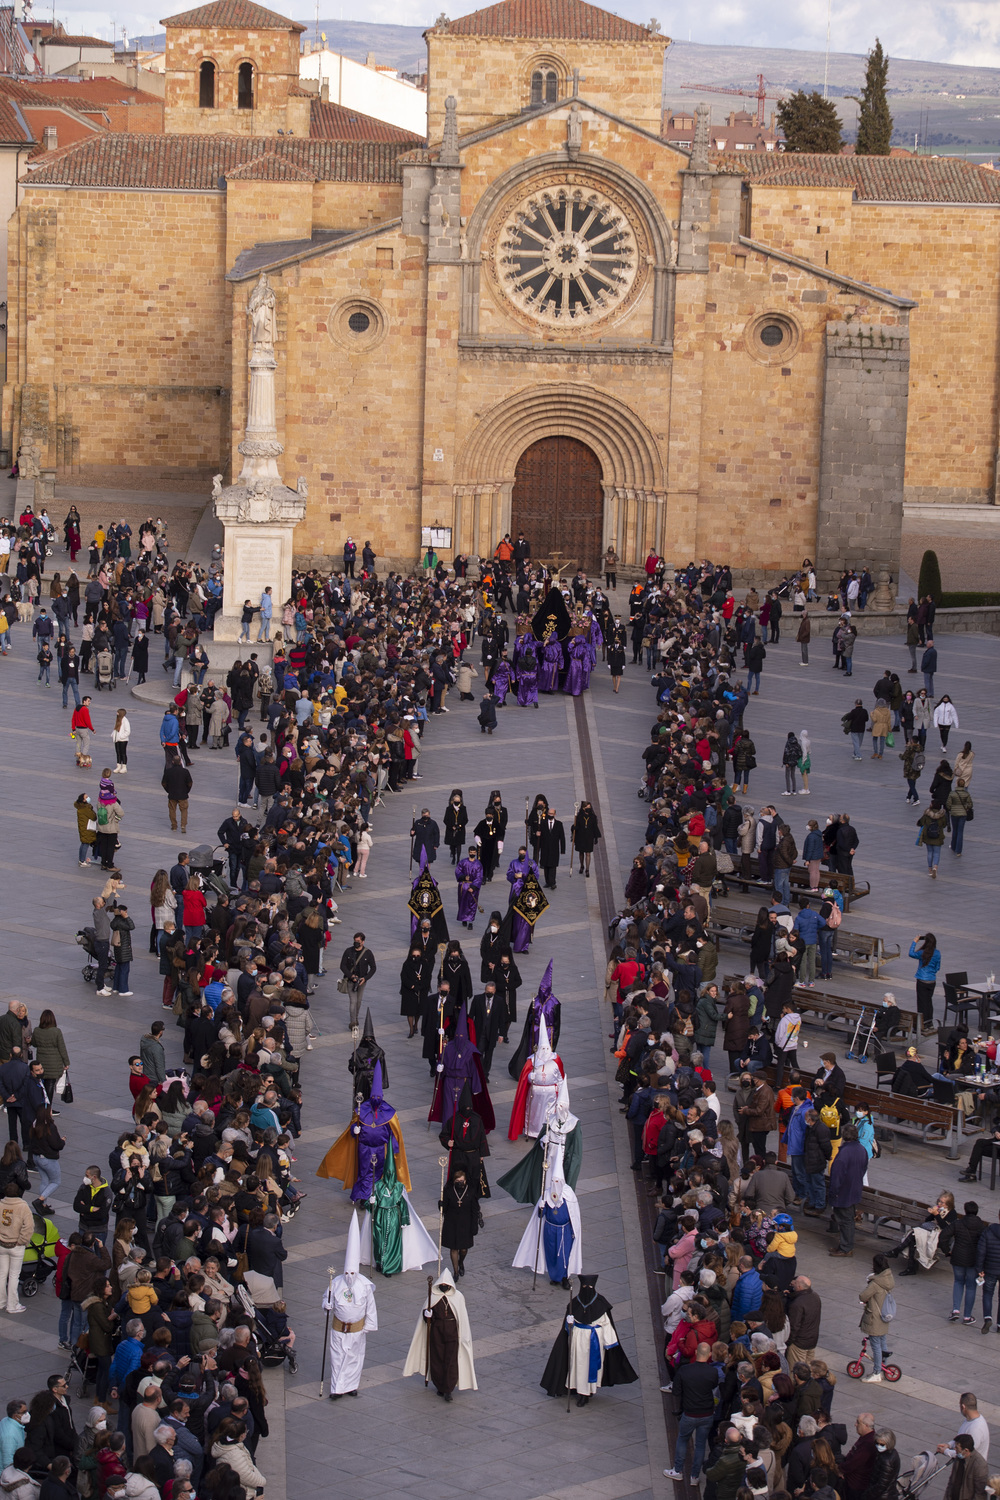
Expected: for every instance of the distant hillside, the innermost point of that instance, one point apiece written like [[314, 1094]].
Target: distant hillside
[[950, 107], [925, 98]]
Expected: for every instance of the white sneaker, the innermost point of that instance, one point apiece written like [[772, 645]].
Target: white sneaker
[[17, 1309], [105, 991], [123, 994], [874, 1379], [672, 1473]]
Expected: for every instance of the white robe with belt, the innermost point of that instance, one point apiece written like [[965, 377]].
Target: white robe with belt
[[350, 1304]]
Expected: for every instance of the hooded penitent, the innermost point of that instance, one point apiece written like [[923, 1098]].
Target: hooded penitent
[[461, 1063], [543, 1006], [362, 1063]]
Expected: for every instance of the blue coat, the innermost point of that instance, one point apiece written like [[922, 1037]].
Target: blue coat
[[847, 1175], [988, 1250], [808, 923], [748, 1294], [795, 1135]]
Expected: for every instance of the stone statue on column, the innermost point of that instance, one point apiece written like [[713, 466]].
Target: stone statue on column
[[259, 512]]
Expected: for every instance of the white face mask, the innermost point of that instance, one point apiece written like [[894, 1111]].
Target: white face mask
[[24, 1418], [879, 1447]]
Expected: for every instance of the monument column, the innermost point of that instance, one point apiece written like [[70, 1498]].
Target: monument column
[[259, 512]]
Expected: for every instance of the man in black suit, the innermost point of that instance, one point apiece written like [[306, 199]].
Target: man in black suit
[[265, 1251], [551, 844], [488, 1014]]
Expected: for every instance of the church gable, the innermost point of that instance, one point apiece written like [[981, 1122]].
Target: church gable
[[520, 55]]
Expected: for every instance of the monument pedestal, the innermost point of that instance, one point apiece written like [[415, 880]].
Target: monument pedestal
[[257, 528], [258, 512]]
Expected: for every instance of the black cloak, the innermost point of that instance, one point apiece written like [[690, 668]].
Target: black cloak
[[362, 1063], [617, 1370]]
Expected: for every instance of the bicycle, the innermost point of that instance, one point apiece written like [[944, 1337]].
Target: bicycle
[[856, 1368]]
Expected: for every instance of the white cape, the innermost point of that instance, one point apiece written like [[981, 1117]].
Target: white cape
[[417, 1354], [418, 1247], [530, 1253]]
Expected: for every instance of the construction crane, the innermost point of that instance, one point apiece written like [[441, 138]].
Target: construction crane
[[759, 93]]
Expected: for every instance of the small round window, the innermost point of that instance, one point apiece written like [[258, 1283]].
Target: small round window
[[772, 338], [357, 324]]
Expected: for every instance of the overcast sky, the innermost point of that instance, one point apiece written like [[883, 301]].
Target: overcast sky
[[964, 32]]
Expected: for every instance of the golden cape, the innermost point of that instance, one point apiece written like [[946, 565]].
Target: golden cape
[[342, 1158]]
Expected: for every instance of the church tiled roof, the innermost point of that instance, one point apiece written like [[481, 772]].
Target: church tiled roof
[[569, 19], [233, 15], [332, 122], [873, 179], [197, 162]]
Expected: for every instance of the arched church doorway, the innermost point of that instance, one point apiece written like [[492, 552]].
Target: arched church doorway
[[558, 502]]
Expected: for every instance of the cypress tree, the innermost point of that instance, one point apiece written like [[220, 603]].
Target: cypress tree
[[929, 581], [810, 123], [874, 120]]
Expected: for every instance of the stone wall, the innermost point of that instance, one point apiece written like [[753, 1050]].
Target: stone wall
[[946, 257], [118, 343], [275, 59], [491, 77], [863, 449]]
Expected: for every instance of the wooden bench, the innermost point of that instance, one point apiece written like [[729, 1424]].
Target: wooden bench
[[863, 951], [846, 885], [933, 1124], [888, 1209], [892, 1209], [730, 922], [832, 1008], [798, 880], [842, 1008]]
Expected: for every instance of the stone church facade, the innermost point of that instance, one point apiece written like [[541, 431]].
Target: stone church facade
[[548, 318]]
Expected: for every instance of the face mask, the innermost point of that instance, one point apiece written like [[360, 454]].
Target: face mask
[[24, 1418], [100, 1426], [879, 1447], [494, 927]]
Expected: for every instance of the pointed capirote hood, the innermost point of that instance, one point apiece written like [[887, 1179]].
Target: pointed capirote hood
[[352, 1255], [545, 988], [375, 1097], [369, 1028], [543, 1052]]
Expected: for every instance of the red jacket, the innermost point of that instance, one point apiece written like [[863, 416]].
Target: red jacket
[[81, 720]]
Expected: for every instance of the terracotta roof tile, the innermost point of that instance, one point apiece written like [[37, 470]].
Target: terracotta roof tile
[[198, 161], [571, 19], [77, 41], [78, 92], [332, 122], [874, 179], [233, 15], [13, 126]]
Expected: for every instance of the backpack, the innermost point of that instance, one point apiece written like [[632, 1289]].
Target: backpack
[[830, 1115], [833, 917], [888, 1309], [102, 815], [845, 723]]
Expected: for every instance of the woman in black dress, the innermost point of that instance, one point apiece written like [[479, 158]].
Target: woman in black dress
[[616, 655], [460, 1222], [760, 944], [456, 821], [586, 833], [411, 988]]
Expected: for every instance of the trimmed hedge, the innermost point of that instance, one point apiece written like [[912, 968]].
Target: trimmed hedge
[[967, 601], [929, 581]]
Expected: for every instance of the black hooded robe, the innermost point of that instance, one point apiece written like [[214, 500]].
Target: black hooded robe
[[467, 1131], [362, 1062], [616, 1371]]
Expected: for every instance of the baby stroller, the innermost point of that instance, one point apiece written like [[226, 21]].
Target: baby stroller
[[104, 676], [39, 1257], [88, 942], [272, 1351], [925, 1466], [204, 861], [84, 1363]]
